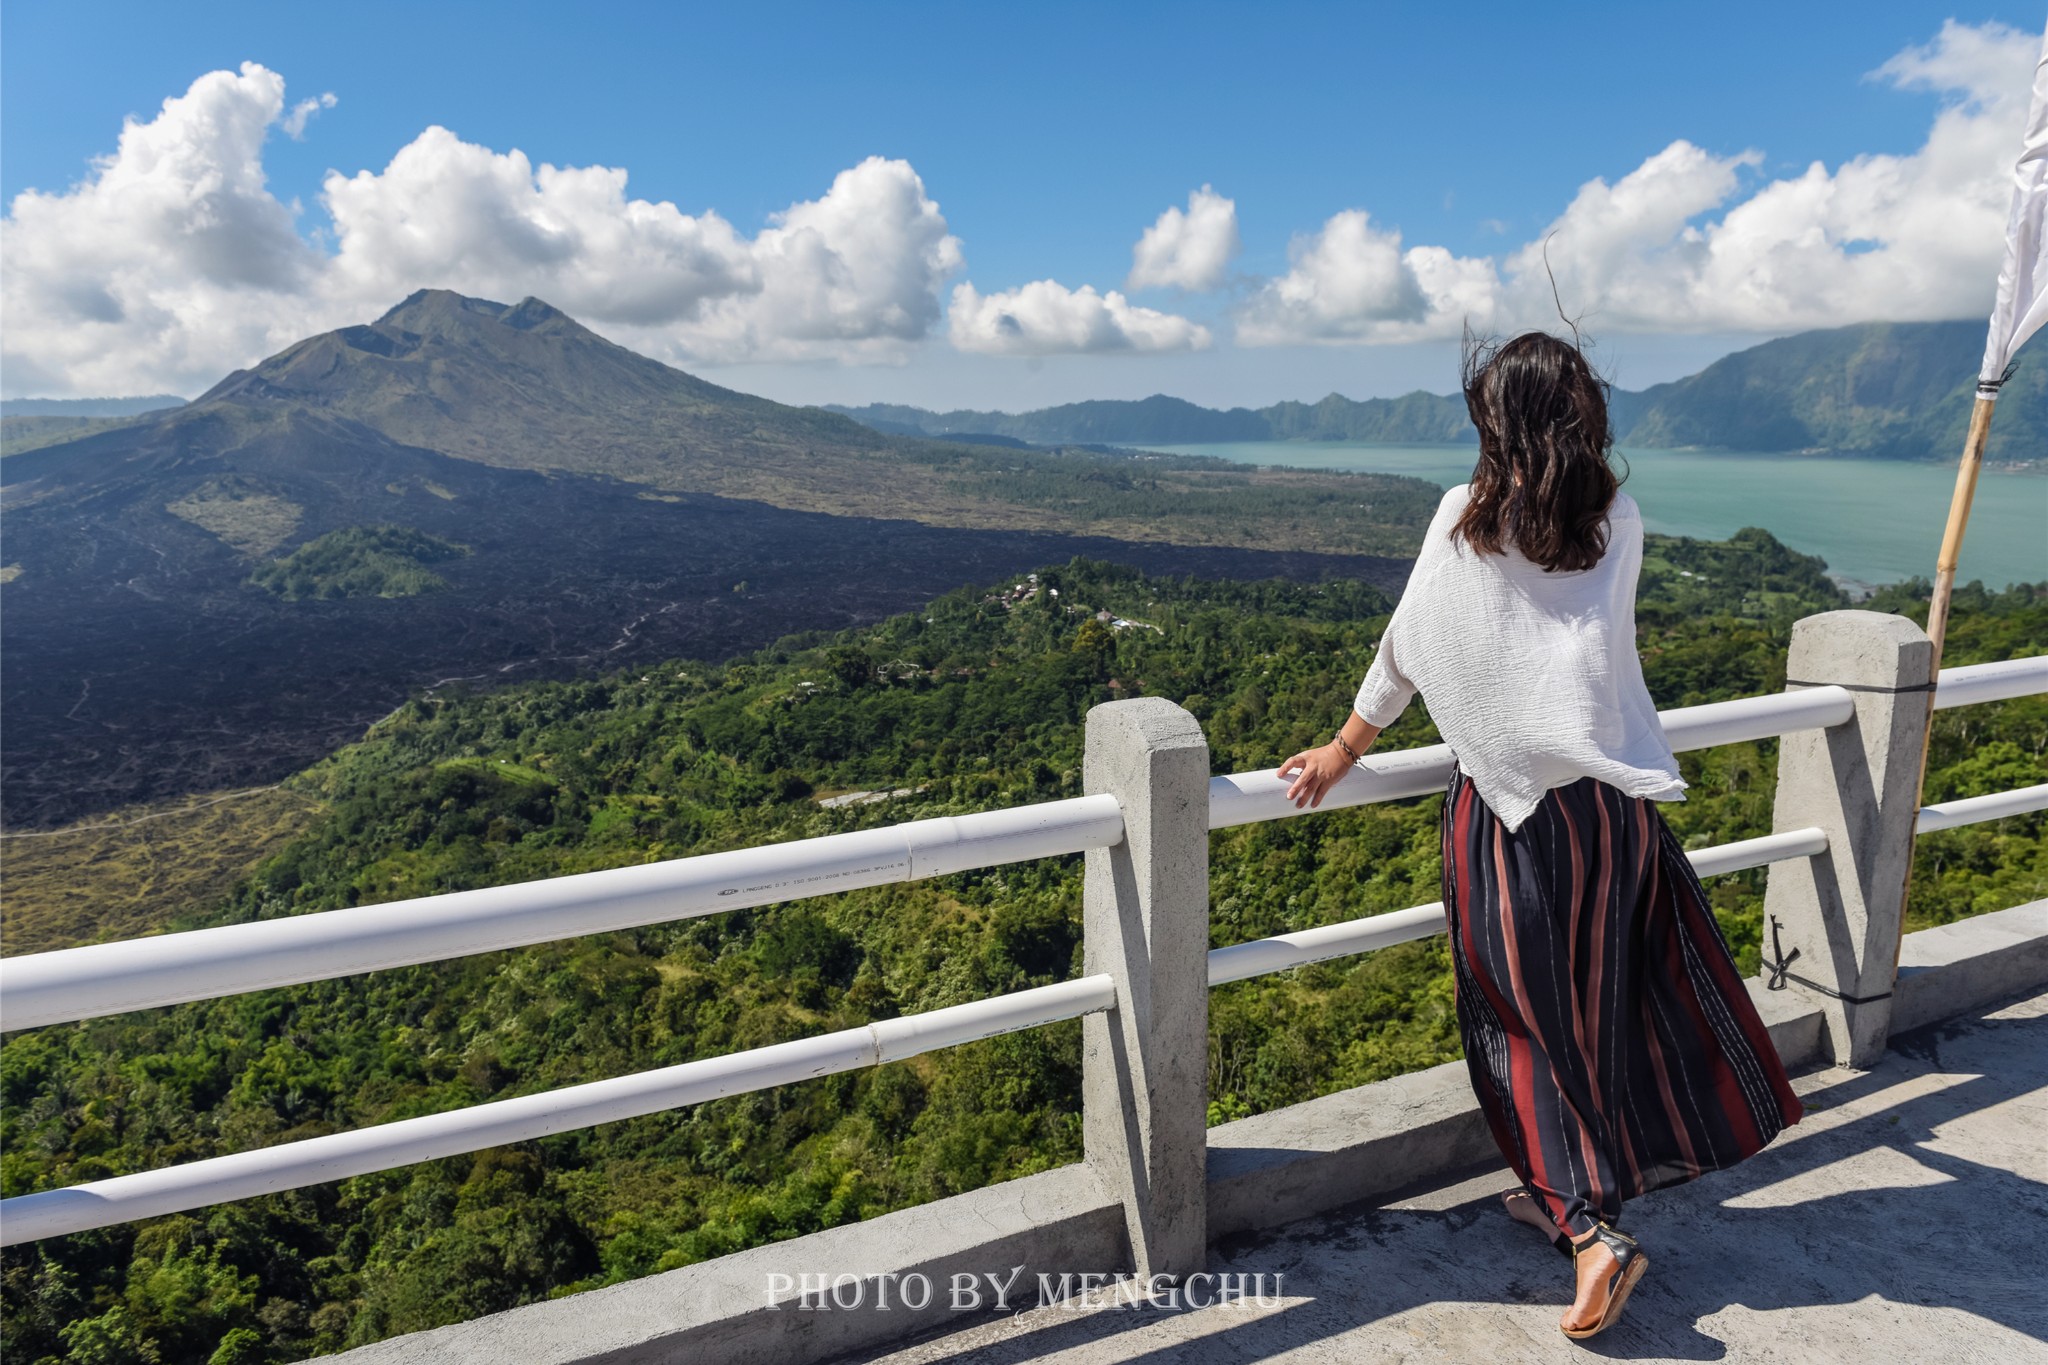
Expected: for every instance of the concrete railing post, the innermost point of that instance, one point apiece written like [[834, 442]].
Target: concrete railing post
[[1841, 912], [1145, 915]]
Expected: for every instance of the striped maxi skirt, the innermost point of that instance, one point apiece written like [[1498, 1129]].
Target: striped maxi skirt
[[1610, 1038]]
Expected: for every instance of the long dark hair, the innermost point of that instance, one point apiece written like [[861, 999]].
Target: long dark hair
[[1543, 484]]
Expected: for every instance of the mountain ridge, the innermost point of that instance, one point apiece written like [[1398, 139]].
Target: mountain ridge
[[618, 510], [526, 387], [482, 380], [1894, 390]]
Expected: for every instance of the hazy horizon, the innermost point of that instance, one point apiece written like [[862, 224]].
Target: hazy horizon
[[1656, 360]]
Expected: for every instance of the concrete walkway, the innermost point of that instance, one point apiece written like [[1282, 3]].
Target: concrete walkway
[[1904, 1219]]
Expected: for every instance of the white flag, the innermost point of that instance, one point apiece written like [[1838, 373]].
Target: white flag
[[2023, 280]]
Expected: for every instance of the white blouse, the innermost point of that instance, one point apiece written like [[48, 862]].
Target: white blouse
[[1531, 677]]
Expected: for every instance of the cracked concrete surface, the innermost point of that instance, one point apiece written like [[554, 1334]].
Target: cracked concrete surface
[[1905, 1218]]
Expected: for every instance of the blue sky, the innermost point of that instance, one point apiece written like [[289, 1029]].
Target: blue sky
[[1048, 137]]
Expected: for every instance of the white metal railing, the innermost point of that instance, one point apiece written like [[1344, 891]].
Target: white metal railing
[[1973, 810], [1246, 798], [312, 1161], [1974, 683], [1242, 961], [170, 969], [80, 983]]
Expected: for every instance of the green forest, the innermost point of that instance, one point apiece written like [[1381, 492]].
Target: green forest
[[359, 561], [974, 702]]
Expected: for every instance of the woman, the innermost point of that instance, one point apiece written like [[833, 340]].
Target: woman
[[1610, 1039]]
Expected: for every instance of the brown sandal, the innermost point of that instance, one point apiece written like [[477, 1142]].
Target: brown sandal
[[1630, 1263]]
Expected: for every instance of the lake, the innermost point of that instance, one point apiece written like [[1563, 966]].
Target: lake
[[1874, 521]]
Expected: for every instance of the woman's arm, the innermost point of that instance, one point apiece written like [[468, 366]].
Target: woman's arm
[[1382, 697], [1321, 768], [1387, 690]]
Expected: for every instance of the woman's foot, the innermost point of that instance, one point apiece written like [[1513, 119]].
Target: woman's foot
[[1523, 1208], [1607, 1264]]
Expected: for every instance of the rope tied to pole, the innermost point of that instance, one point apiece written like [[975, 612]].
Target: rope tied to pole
[[1988, 388], [1779, 971]]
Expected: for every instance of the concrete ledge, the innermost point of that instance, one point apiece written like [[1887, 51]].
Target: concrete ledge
[[1947, 970], [1057, 1222], [1376, 1139], [1274, 1168]]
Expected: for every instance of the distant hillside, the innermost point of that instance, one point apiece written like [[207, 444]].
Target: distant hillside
[[19, 435], [88, 407], [1157, 418], [1419, 418], [1900, 390], [32, 423], [616, 510], [525, 386]]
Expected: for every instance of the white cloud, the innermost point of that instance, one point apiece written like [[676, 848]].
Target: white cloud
[[172, 263], [169, 264], [1046, 318], [455, 215], [1352, 282], [1988, 61], [1676, 245], [1190, 250], [294, 124], [1907, 237], [854, 273], [1627, 251], [860, 267]]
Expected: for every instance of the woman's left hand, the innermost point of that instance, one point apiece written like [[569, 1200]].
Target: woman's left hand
[[1319, 771]]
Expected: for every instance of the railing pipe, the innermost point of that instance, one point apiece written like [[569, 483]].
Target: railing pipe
[[1259, 957], [169, 969], [1969, 684], [1809, 842], [1246, 798], [1971, 810], [1263, 956], [313, 1161], [1748, 718], [910, 1034]]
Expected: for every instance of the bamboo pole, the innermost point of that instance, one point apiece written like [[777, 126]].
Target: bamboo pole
[[1958, 520], [1937, 612]]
